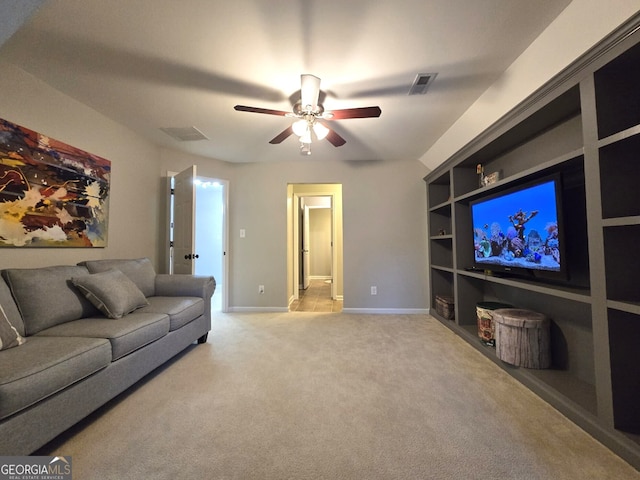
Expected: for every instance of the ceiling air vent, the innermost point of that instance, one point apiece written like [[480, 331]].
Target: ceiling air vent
[[185, 134], [421, 83]]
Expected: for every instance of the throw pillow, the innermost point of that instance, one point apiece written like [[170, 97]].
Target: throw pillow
[[111, 292], [9, 336]]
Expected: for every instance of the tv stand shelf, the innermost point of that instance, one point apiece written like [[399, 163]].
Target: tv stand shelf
[[567, 292], [585, 127]]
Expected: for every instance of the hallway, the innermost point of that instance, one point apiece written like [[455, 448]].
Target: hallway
[[316, 298]]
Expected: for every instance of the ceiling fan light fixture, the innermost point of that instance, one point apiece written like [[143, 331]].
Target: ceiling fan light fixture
[[300, 127], [307, 113], [320, 130]]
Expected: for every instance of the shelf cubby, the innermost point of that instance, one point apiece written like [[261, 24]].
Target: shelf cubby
[[617, 98], [441, 283], [619, 176], [442, 251], [440, 221], [624, 337], [439, 191], [551, 132], [621, 264], [572, 373]]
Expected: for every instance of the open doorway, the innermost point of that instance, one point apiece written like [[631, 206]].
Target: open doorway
[[314, 248], [208, 223]]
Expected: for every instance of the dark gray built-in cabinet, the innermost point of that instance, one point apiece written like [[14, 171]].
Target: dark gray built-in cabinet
[[584, 125]]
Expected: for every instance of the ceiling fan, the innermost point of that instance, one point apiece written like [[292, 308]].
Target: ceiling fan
[[308, 113]]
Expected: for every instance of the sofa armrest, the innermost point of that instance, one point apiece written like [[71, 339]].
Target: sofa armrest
[[188, 286], [185, 286]]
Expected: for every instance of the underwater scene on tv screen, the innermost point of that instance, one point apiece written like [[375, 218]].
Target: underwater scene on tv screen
[[519, 229]]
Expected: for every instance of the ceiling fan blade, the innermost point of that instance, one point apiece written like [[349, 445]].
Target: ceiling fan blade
[[335, 139], [309, 91], [363, 112], [244, 108], [282, 136]]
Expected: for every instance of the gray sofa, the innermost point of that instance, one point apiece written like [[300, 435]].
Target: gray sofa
[[92, 330]]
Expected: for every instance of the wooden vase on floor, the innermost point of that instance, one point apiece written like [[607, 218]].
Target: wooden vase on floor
[[522, 338]]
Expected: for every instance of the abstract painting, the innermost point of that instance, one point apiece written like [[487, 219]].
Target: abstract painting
[[51, 194]]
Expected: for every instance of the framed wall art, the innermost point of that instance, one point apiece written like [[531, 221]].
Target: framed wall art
[[51, 194]]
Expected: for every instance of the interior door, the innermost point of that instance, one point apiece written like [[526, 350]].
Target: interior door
[[184, 204], [305, 248]]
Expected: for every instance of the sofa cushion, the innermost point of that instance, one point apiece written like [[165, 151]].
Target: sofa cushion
[[181, 310], [140, 271], [111, 292], [9, 336], [126, 334], [46, 365], [46, 297]]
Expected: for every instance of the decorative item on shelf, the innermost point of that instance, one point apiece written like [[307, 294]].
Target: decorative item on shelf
[[491, 178], [486, 324], [523, 337], [480, 172], [445, 306], [485, 180], [442, 231]]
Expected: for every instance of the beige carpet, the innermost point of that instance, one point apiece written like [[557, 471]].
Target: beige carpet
[[333, 396]]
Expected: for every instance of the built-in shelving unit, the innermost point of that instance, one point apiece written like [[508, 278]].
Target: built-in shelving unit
[[585, 126], [617, 94]]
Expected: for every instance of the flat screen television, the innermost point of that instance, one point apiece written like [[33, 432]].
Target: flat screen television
[[520, 230]]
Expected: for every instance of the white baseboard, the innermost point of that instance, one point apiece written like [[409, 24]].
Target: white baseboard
[[257, 309], [388, 311], [369, 311]]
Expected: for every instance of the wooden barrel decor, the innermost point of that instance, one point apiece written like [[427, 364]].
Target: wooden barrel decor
[[523, 337]]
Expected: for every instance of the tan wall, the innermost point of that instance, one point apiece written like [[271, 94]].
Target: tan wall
[[384, 225], [134, 210], [320, 242]]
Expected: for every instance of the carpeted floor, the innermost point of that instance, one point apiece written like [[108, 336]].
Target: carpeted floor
[[333, 396]]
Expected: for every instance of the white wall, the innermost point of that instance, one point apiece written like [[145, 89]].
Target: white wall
[[582, 25], [134, 211]]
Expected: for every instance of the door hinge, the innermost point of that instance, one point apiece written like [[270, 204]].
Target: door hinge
[[173, 191], [171, 243]]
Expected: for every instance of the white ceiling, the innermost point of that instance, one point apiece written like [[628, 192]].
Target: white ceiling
[[151, 64]]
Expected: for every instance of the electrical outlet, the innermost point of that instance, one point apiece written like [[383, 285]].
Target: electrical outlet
[[374, 290], [260, 289]]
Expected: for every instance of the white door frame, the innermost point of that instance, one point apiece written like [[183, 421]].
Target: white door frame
[[225, 247]]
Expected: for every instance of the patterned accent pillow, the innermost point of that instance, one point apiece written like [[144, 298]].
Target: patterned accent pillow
[[9, 336], [111, 292]]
